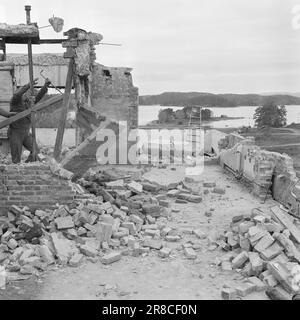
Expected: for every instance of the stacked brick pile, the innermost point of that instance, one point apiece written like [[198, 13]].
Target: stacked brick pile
[[262, 249]]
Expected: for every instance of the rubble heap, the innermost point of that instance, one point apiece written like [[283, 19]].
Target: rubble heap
[[264, 248], [125, 217]]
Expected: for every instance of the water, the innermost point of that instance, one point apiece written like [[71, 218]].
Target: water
[[150, 113]]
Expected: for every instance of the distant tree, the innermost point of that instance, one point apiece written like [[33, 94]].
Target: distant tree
[[206, 114], [270, 115], [166, 115], [180, 114]]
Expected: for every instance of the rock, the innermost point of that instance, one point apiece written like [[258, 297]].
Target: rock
[[81, 231], [111, 257], [245, 289], [117, 184], [170, 238], [190, 253], [135, 187], [208, 214], [164, 203], [200, 234], [27, 270], [195, 199], [240, 260], [181, 201], [219, 190], [153, 244], [173, 193], [259, 285], [136, 219], [104, 231], [76, 260], [164, 252], [88, 250], [209, 184], [226, 266], [256, 262], [130, 226], [151, 187], [165, 231], [46, 254], [12, 244], [16, 254], [6, 236], [64, 248], [264, 243], [151, 209], [228, 294], [3, 278]]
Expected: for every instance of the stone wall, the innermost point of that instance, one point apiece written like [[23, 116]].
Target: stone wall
[[32, 185], [269, 173], [113, 94]]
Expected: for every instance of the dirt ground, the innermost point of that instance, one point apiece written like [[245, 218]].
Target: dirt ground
[[151, 277]]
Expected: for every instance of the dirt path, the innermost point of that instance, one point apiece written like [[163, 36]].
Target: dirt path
[[151, 277]]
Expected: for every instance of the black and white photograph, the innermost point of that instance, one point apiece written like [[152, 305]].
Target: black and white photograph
[[149, 152]]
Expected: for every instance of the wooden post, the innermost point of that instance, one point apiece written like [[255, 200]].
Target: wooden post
[[30, 63], [64, 112]]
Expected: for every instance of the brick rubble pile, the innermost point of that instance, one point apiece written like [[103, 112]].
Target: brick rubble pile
[[123, 217], [263, 251]]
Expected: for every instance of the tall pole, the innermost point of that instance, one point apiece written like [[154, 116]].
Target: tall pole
[[30, 63]]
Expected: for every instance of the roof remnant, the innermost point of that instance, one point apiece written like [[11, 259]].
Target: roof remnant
[[19, 31], [44, 59]]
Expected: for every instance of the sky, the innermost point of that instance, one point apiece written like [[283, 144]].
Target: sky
[[231, 46]]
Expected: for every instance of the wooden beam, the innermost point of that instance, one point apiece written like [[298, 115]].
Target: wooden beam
[[36, 107], [86, 142], [64, 112], [51, 41]]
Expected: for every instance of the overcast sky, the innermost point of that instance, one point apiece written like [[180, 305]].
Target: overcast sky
[[237, 46]]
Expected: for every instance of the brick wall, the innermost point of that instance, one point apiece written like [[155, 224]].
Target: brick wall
[[32, 185]]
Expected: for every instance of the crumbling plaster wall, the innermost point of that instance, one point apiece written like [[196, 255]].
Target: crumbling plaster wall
[[211, 140], [265, 170], [113, 94]]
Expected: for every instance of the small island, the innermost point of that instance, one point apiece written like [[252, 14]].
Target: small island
[[189, 115]]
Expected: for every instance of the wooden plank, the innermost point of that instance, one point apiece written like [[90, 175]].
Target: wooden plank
[[286, 221], [36, 107], [64, 112], [85, 143]]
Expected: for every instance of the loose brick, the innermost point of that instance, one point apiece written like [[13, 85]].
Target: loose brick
[[256, 262], [272, 251], [245, 289], [259, 285], [164, 252], [111, 257], [64, 223], [76, 260], [264, 243], [228, 293], [190, 253], [240, 260]]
